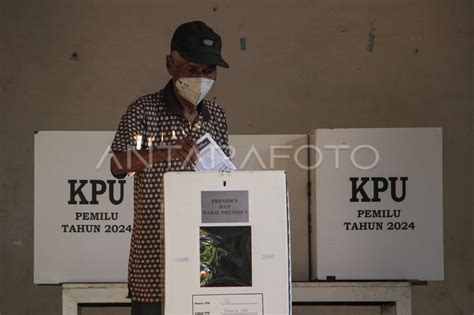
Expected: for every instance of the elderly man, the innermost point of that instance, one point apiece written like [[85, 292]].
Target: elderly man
[[157, 134]]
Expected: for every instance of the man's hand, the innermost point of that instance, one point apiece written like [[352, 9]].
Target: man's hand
[[186, 151]]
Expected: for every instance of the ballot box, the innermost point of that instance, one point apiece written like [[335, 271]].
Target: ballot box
[[377, 204], [227, 243]]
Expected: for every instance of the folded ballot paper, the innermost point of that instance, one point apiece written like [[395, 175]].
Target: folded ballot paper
[[211, 157]]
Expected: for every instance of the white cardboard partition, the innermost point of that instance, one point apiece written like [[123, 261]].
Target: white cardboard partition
[[83, 215], [227, 243], [377, 206]]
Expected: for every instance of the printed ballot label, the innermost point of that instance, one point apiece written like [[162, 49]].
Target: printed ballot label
[[228, 304], [225, 206]]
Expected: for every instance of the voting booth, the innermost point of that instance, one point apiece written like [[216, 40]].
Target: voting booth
[[82, 213], [377, 204], [227, 243]]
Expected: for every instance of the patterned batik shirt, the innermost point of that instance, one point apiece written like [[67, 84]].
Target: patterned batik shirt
[[159, 120]]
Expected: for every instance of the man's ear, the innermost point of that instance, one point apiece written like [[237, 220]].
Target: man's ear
[[169, 64]]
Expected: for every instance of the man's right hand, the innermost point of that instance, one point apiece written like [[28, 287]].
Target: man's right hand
[[186, 151]]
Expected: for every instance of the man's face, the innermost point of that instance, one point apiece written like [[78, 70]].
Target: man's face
[[180, 68]]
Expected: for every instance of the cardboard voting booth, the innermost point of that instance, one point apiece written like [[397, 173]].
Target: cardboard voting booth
[[227, 243], [377, 204], [82, 214]]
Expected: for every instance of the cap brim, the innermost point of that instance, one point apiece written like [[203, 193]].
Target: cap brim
[[208, 59]]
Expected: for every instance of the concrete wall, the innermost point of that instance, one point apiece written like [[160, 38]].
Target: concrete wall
[[76, 65]]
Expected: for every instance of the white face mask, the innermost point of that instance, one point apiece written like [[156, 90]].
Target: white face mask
[[193, 89]]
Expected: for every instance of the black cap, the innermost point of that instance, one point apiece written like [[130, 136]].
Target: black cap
[[198, 43]]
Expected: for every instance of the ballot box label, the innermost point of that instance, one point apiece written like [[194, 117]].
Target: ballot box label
[[224, 206], [228, 304]]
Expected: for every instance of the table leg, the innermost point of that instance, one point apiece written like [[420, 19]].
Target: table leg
[[70, 306]]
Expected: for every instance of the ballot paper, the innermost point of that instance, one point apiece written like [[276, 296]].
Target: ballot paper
[[211, 157]]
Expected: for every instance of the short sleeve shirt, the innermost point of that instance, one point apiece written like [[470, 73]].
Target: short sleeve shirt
[[157, 120]]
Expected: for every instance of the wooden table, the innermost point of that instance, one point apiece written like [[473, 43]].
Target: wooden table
[[394, 297]]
